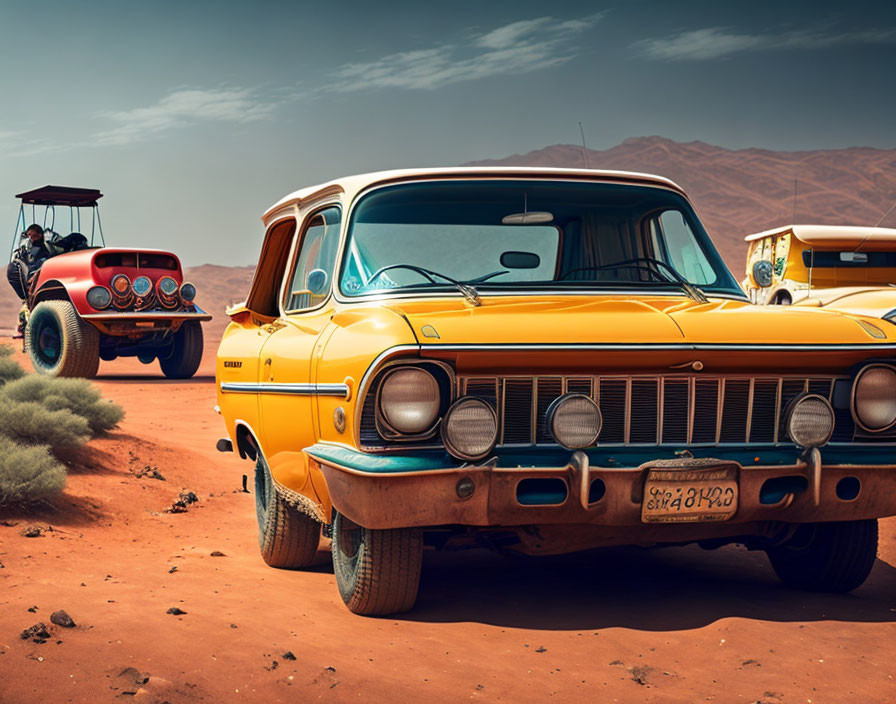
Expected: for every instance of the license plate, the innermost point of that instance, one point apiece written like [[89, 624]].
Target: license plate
[[689, 495]]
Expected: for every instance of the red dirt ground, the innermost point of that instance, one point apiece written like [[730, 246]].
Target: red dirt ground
[[673, 625]]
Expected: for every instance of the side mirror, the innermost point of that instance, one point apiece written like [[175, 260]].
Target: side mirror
[[763, 273], [317, 282]]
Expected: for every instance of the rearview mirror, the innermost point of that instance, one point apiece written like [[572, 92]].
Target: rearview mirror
[[317, 282], [532, 218], [520, 260]]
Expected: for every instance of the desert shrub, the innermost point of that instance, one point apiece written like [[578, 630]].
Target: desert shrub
[[6, 350], [32, 423], [10, 369], [28, 473], [76, 395]]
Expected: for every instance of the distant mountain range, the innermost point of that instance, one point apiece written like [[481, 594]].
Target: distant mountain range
[[737, 192]]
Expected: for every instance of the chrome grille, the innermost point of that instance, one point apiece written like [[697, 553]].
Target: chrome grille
[[651, 410]]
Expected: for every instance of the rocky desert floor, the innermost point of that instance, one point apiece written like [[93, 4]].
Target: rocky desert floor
[[670, 625]]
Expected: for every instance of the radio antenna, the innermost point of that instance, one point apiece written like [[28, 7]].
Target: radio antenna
[[884, 217], [795, 187], [584, 148]]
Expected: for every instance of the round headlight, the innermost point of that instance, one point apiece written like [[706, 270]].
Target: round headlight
[[120, 284], [187, 292], [167, 287], [142, 286], [810, 420], [409, 400], [99, 297], [574, 420], [874, 398], [470, 428]]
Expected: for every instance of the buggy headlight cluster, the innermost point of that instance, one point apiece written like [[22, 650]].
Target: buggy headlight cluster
[[874, 398], [166, 291]]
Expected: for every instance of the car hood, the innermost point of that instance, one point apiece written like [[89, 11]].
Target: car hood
[[871, 301], [626, 320]]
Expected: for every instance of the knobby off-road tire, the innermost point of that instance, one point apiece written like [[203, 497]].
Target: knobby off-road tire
[[60, 343], [827, 557], [186, 352], [287, 537], [377, 571]]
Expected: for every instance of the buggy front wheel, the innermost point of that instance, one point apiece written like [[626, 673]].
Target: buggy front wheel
[[61, 343], [185, 353]]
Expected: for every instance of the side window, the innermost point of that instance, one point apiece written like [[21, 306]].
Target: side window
[[684, 254], [312, 272], [265, 287]]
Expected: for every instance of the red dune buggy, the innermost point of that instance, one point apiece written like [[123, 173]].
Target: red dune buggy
[[84, 302]]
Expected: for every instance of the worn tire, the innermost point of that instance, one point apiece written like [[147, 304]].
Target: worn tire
[[60, 343], [377, 571], [186, 352], [287, 537], [827, 557]]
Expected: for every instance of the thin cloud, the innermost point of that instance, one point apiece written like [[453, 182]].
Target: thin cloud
[[716, 42], [515, 48], [182, 108]]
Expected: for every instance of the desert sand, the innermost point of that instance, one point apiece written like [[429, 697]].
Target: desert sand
[[630, 625]]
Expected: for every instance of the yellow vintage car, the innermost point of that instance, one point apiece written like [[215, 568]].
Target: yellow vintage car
[[542, 361], [845, 268]]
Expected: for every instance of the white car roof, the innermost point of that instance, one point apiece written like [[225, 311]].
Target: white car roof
[[352, 185], [831, 235]]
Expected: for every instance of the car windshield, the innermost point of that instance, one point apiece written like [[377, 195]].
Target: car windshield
[[510, 236]]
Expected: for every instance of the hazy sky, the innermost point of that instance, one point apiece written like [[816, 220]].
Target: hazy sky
[[193, 117]]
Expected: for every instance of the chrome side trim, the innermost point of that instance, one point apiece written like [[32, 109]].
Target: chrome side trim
[[630, 346], [270, 387], [148, 315]]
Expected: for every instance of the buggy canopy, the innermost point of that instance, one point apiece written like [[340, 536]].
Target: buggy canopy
[[61, 195]]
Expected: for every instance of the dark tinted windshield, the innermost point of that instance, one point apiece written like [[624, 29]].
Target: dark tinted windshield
[[528, 235]]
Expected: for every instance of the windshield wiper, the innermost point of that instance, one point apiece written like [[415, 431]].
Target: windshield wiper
[[469, 292], [659, 268]]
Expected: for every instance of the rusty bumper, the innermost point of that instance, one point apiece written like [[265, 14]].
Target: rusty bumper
[[804, 492]]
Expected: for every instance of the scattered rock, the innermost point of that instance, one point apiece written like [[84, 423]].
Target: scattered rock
[[233, 625], [32, 609], [751, 662], [33, 531], [640, 673], [149, 472], [37, 633], [330, 668], [184, 499], [174, 611], [2, 566], [287, 655], [60, 618], [129, 680], [172, 570], [541, 649], [218, 553], [9, 524], [617, 662]]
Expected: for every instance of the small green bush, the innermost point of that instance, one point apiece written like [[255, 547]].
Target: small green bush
[[76, 395], [10, 369], [6, 350], [28, 474], [32, 423]]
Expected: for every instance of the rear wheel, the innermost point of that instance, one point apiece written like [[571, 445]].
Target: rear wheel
[[186, 352], [60, 343], [827, 557], [377, 571], [287, 537]]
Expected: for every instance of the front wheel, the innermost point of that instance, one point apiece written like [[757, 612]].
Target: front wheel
[[61, 343], [377, 571], [287, 537], [827, 557], [186, 352]]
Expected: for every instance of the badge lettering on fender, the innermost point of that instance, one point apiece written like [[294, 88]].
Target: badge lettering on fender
[[232, 364]]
